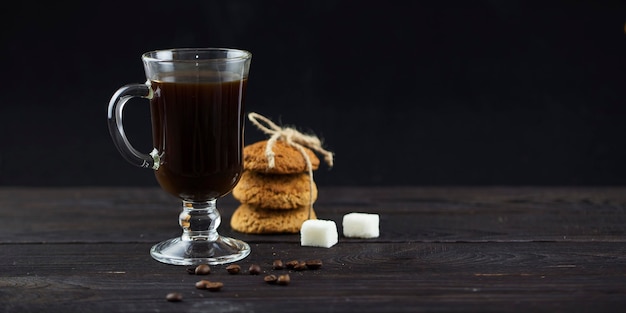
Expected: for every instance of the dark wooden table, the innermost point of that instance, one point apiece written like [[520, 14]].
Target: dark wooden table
[[440, 250]]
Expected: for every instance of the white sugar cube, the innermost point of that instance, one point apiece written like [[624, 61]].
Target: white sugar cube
[[360, 225], [318, 233]]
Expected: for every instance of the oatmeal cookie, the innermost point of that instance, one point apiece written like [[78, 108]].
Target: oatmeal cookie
[[251, 220], [275, 191], [287, 159]]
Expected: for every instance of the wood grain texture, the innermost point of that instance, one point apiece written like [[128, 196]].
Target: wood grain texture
[[440, 250], [407, 213], [355, 277]]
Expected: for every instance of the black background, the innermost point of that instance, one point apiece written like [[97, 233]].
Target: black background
[[404, 92]]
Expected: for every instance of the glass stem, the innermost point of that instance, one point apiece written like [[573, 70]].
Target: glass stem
[[199, 221]]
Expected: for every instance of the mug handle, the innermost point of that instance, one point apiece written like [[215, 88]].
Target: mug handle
[[116, 128]]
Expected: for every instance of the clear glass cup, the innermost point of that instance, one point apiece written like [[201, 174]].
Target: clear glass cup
[[197, 108]]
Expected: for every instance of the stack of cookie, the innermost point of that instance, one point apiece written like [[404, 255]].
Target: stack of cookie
[[274, 199]]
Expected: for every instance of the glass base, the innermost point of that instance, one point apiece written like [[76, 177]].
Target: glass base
[[194, 252]]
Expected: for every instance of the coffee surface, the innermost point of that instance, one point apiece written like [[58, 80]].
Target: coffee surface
[[197, 128]]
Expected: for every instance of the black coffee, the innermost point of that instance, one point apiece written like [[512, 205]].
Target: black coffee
[[198, 129]]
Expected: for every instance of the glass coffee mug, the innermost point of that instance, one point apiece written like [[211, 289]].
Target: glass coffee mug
[[197, 104]]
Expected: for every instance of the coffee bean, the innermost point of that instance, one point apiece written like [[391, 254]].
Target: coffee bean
[[174, 297], [283, 279], [214, 286], [292, 263], [202, 269], [278, 265], [313, 264], [254, 269], [301, 266], [202, 284], [233, 269], [270, 279]]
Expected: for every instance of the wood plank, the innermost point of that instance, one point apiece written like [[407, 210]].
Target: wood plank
[[453, 249], [355, 277], [442, 214]]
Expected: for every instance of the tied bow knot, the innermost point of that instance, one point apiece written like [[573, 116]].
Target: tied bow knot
[[292, 137]]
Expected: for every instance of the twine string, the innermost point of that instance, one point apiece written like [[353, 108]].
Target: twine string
[[295, 139]]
